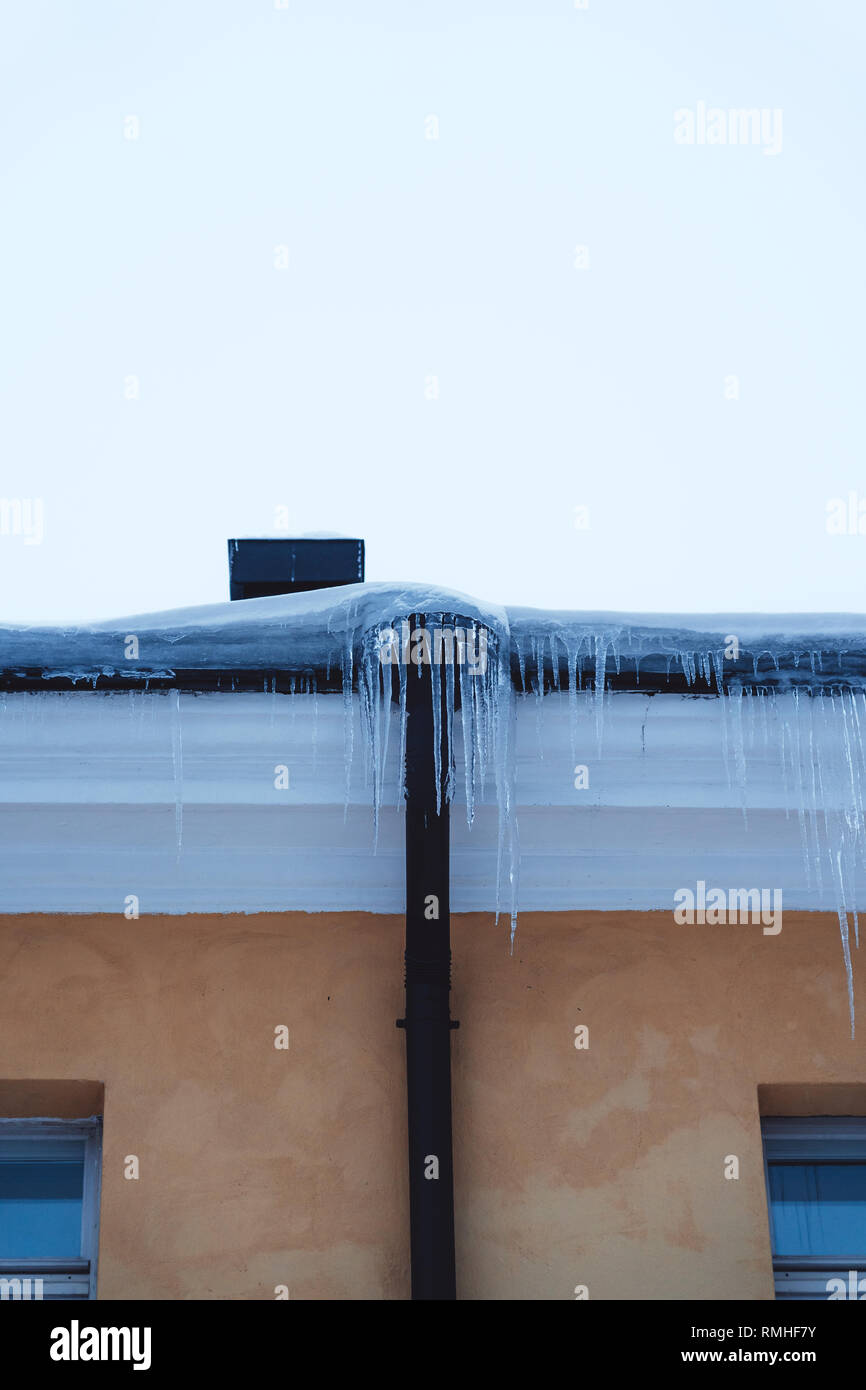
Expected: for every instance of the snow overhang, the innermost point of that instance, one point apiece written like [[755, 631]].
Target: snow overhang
[[272, 642], [242, 645]]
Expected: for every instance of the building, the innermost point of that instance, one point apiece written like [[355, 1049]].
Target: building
[[203, 884]]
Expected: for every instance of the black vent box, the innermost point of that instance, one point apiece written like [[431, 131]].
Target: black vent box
[[259, 568]]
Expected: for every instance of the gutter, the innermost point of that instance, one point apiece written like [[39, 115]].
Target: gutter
[[648, 674]]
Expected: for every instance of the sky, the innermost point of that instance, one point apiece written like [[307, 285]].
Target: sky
[[486, 284]]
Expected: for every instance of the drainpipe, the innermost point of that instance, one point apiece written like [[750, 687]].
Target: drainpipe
[[428, 1022]]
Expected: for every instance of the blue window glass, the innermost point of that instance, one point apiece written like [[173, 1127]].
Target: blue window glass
[[41, 1202], [818, 1208], [816, 1191]]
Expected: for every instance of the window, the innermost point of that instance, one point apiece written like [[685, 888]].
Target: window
[[816, 1191], [49, 1208]]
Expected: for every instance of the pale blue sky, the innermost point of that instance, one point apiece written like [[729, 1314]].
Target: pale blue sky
[[410, 257]]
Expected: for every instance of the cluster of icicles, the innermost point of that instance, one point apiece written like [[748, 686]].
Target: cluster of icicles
[[477, 693], [815, 731], [818, 737]]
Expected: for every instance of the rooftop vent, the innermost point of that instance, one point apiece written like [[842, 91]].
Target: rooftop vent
[[260, 568]]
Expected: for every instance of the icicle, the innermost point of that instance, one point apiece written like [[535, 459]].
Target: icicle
[[734, 700], [383, 695], [572, 700], [537, 685], [347, 671], [436, 692], [600, 675], [814, 772], [554, 661], [401, 790], [177, 765], [504, 739], [469, 721], [369, 685], [450, 785], [842, 913], [521, 665]]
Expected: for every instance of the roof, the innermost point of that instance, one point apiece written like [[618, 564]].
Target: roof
[[319, 636]]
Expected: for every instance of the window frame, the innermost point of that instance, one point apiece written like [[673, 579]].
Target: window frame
[[810, 1140], [64, 1278]]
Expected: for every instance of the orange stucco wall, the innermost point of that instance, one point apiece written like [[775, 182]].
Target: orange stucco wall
[[261, 1167]]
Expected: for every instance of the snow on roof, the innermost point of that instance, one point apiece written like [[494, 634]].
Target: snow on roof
[[314, 630], [286, 632]]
